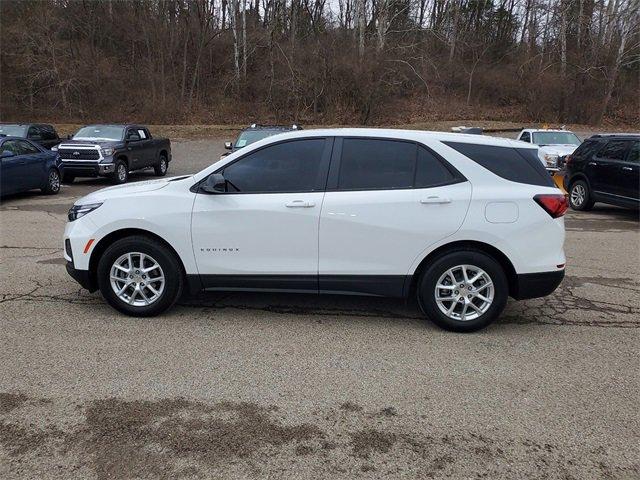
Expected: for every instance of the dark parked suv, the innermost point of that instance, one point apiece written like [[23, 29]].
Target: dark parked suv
[[605, 168], [41, 133]]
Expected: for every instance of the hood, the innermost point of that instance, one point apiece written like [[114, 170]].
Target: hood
[[102, 143], [125, 190], [559, 150]]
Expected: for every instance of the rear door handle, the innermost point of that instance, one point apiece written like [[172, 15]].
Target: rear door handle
[[436, 200], [592, 163], [299, 204], [628, 169]]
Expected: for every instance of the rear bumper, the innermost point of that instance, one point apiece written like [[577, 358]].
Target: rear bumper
[[535, 285], [82, 277]]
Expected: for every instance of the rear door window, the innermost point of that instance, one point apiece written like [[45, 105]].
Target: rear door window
[[615, 150], [372, 164], [520, 165], [634, 153]]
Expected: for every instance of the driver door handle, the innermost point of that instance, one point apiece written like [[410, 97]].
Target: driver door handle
[[628, 169], [436, 200], [299, 204], [592, 163]]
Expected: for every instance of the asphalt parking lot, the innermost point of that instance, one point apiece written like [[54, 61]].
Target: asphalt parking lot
[[264, 385]]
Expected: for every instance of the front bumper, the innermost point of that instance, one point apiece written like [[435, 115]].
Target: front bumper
[[535, 285], [88, 169], [82, 277]]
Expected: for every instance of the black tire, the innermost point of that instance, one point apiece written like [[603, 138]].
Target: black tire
[[171, 270], [121, 173], [163, 165], [53, 182], [426, 290], [67, 178], [580, 197]]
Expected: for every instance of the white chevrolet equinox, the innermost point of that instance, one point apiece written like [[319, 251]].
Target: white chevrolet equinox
[[460, 221]]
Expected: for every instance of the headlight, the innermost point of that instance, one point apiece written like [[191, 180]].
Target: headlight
[[107, 152], [54, 148], [552, 160], [78, 211]]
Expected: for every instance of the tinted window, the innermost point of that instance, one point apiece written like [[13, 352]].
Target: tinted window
[[295, 166], [34, 132], [48, 133], [11, 146], [614, 150], [26, 148], [520, 165], [368, 164], [430, 171], [587, 149], [634, 153]]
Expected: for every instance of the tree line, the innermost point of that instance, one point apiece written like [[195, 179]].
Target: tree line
[[319, 61]]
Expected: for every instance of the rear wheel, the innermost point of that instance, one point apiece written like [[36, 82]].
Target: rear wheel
[[161, 168], [140, 276], [121, 173], [463, 291], [53, 182], [580, 196]]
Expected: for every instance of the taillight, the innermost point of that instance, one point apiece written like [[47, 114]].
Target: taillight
[[553, 203]]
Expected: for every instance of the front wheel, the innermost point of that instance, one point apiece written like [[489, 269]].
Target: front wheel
[[140, 276], [53, 182], [463, 291], [580, 196], [121, 173], [161, 168]]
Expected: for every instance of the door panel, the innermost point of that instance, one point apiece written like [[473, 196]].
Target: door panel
[[256, 234], [607, 168], [382, 232], [630, 173]]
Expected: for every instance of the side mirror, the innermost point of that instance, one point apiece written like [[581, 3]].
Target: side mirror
[[69, 137], [214, 184], [7, 154], [228, 145]]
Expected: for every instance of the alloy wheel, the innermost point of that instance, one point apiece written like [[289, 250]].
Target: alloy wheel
[[578, 195], [137, 279], [464, 292], [54, 181]]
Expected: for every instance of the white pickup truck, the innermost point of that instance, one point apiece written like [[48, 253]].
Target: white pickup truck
[[553, 145]]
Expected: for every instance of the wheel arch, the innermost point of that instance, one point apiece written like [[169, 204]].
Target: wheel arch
[[490, 250], [124, 158], [165, 152], [576, 177], [116, 235]]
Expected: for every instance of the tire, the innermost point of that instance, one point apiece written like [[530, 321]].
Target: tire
[[580, 196], [132, 299], [163, 165], [121, 173], [53, 182], [66, 178], [438, 273]]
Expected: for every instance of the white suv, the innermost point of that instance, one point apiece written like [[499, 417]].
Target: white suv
[[460, 221]]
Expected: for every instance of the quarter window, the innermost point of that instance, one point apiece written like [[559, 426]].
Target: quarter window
[[295, 166], [634, 153], [430, 171], [526, 137], [368, 164]]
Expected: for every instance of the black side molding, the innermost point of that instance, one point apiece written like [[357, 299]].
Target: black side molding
[[535, 285]]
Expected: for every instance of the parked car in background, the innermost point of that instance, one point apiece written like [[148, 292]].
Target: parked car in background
[[605, 168], [113, 151], [256, 132], [25, 165], [41, 133], [553, 145], [359, 211]]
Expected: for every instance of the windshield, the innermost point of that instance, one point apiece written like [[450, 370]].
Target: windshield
[[12, 130], [555, 138], [249, 137], [99, 132]]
